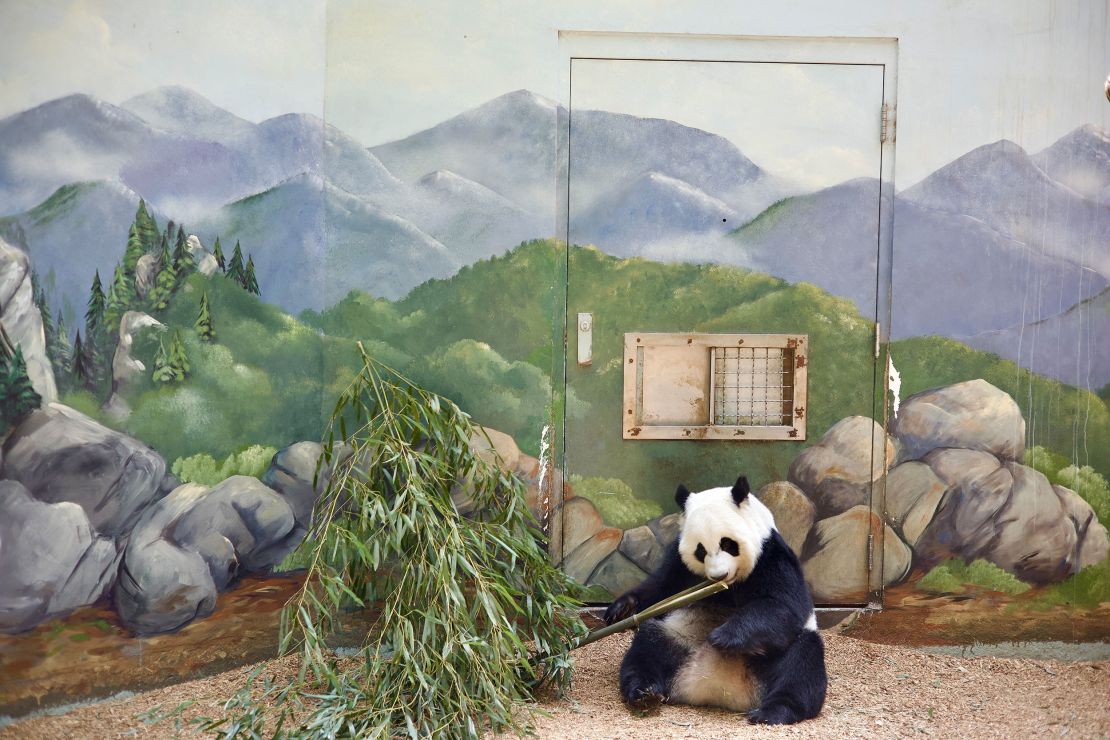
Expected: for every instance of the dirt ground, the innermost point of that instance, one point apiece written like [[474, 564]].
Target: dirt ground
[[875, 691]]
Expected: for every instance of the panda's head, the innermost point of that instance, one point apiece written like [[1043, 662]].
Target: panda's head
[[723, 531]]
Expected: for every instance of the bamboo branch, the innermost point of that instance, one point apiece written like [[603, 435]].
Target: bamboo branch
[[679, 600]]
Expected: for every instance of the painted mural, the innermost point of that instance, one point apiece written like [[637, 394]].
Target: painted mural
[[182, 286]]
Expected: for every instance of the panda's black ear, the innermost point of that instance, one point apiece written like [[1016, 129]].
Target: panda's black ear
[[741, 490], [681, 495]]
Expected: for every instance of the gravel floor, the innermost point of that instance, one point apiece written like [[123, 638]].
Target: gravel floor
[[875, 691]]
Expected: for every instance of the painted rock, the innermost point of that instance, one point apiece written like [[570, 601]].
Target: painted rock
[[973, 415], [835, 565], [51, 560], [794, 513], [836, 473], [60, 454]]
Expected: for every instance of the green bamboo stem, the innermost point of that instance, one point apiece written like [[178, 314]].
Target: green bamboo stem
[[679, 600]]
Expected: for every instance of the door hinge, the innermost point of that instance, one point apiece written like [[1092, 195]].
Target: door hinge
[[888, 129], [870, 553], [878, 338]]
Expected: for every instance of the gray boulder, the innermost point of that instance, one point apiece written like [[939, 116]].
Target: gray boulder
[[666, 528], [162, 586], [584, 559], [794, 513], [257, 523], [913, 493], [60, 455], [617, 574], [51, 561], [973, 415], [835, 564], [1034, 538], [291, 473], [837, 472], [194, 543], [1009, 514], [1093, 544], [205, 261], [640, 546], [22, 321]]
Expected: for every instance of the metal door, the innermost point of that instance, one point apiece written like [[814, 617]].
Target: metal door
[[713, 190]]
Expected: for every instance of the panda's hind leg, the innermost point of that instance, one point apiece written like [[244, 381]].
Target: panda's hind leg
[[649, 667], [794, 689]]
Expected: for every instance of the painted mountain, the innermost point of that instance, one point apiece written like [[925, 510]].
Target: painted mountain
[[994, 241], [953, 274], [1073, 346], [1081, 161], [509, 145], [1003, 187]]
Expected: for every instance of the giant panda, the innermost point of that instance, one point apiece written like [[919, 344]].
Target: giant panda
[[753, 647]]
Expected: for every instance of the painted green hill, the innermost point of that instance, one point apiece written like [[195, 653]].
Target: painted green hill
[[484, 338]]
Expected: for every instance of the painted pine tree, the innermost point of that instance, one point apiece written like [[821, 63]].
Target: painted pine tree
[[135, 249], [95, 348], [60, 352], [18, 397], [49, 330], [94, 311], [165, 282], [121, 297], [235, 269], [183, 263], [250, 282], [205, 331], [177, 359], [218, 253], [162, 371], [146, 226], [83, 370]]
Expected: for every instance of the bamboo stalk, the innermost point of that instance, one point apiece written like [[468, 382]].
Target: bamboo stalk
[[679, 600]]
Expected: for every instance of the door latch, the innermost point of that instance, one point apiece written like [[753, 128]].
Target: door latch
[[585, 339]]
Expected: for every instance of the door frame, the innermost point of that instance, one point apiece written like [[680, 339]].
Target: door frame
[[635, 46]]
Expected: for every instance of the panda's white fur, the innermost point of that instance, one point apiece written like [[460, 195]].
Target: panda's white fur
[[708, 678], [712, 515], [744, 649]]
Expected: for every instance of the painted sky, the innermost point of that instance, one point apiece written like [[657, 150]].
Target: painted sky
[[256, 58], [970, 72]]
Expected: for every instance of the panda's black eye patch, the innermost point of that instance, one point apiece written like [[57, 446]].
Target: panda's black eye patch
[[700, 553], [730, 546]]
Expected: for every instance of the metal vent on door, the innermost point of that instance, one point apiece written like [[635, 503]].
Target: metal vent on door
[[752, 386], [715, 386]]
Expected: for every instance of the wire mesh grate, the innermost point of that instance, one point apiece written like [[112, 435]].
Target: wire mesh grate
[[753, 386]]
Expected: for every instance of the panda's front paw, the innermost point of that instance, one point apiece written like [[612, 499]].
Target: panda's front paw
[[725, 640], [623, 608]]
